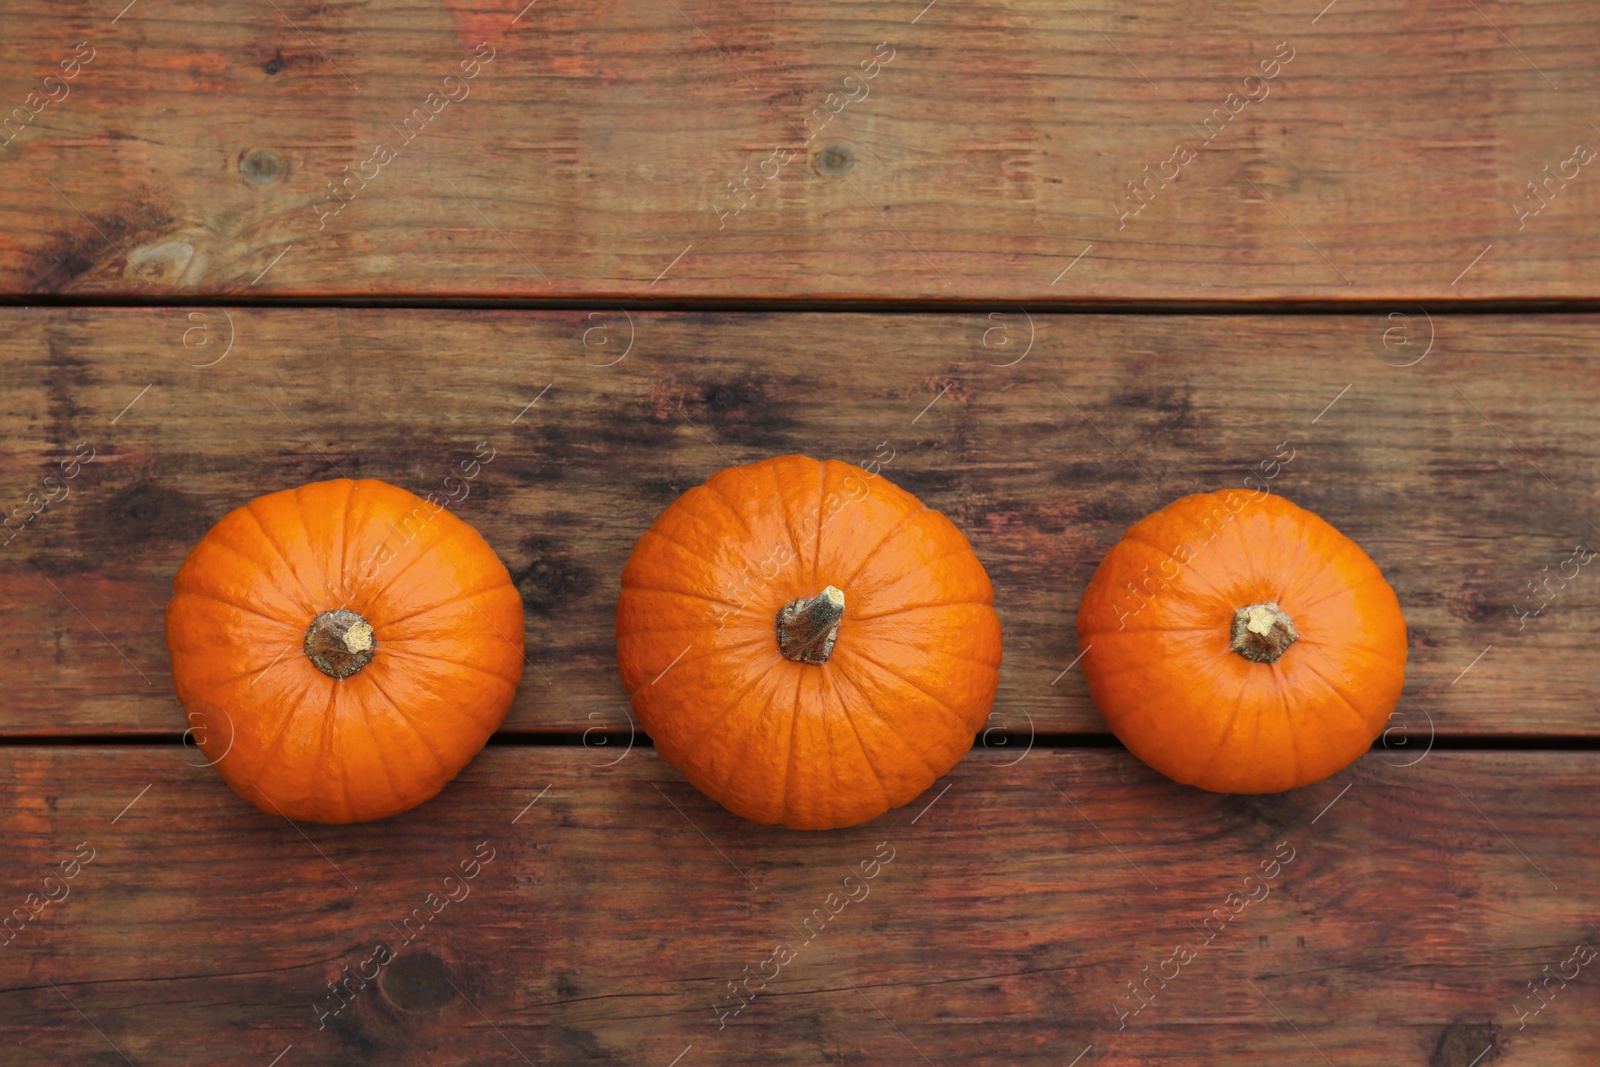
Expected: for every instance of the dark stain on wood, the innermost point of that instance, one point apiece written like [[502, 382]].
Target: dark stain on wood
[[1418, 637], [1267, 811], [150, 511], [544, 455], [553, 579], [277, 63], [1464, 1044], [934, 486], [655, 494], [751, 415], [1173, 404], [96, 239], [746, 410], [1484, 597], [65, 376], [578, 1045], [351, 1030]]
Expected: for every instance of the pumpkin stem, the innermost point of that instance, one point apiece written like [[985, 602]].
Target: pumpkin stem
[[1262, 632], [808, 627], [339, 643]]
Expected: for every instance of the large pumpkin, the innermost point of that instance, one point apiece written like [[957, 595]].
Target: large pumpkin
[[806, 642], [343, 649], [1241, 644]]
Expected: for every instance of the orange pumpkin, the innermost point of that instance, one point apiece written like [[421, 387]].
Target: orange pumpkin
[[806, 642], [1241, 644], [343, 649]]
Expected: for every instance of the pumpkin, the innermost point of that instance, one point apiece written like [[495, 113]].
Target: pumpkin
[[1238, 643], [807, 643], [343, 649]]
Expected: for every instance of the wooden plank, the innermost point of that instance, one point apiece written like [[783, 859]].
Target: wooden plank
[[1392, 919], [1463, 474], [1437, 153]]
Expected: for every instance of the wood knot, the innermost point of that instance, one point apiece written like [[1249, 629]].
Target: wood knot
[[262, 167], [1466, 1045], [417, 981], [836, 160]]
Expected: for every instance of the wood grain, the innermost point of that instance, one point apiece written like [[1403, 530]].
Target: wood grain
[[1467, 476], [1421, 151], [1026, 898]]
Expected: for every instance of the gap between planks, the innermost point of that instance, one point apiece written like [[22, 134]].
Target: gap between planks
[[930, 306]]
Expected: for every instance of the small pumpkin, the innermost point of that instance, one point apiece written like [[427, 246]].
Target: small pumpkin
[[807, 643], [1241, 644], [343, 649]]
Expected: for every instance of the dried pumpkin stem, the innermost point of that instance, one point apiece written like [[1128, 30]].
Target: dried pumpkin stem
[[1262, 632], [339, 643], [808, 627]]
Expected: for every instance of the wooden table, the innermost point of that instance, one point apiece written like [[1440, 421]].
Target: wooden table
[[1060, 263]]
